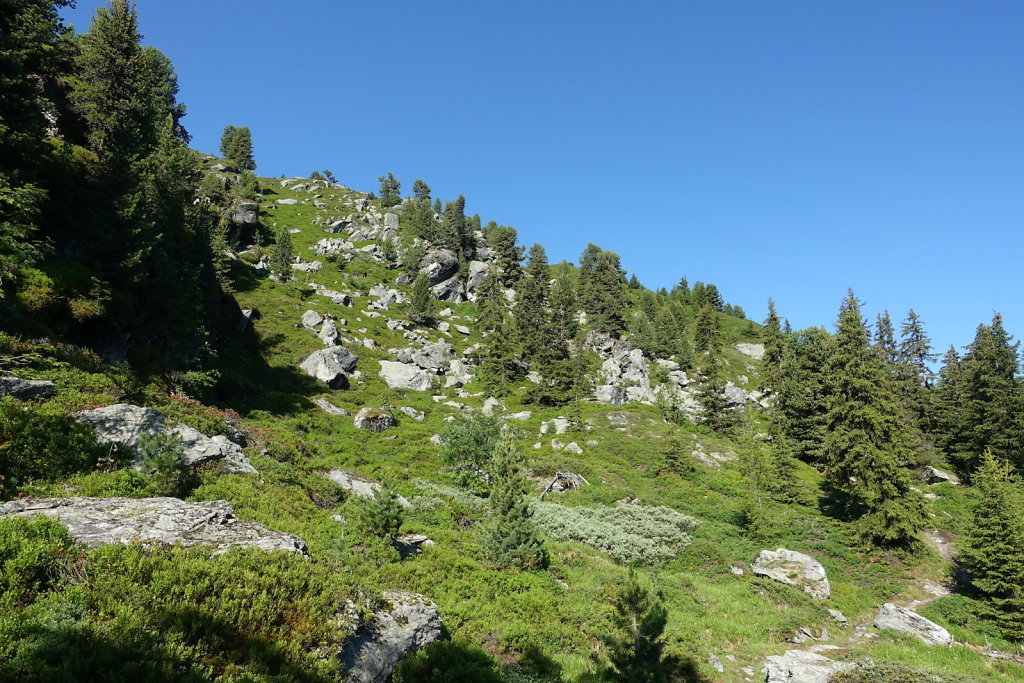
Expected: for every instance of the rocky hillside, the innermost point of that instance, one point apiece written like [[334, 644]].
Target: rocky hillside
[[309, 507]]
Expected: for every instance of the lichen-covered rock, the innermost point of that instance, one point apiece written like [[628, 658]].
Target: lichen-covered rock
[[373, 420], [896, 618], [357, 486], [26, 389], [794, 569], [329, 408], [404, 375], [330, 365], [99, 521], [610, 395], [408, 622], [755, 351], [450, 290], [798, 666], [123, 423]]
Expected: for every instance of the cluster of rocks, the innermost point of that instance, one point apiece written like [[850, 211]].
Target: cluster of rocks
[[334, 364], [127, 424], [416, 368]]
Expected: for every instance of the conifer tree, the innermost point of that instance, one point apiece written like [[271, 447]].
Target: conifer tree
[[607, 294], [506, 255], [421, 301], [390, 190], [800, 406], [510, 538], [420, 190], [492, 306], [774, 349], [993, 550], [282, 256], [990, 396], [681, 292], [563, 303], [236, 145], [949, 399], [867, 446], [636, 644], [533, 330], [915, 378], [885, 341], [706, 335], [714, 297]]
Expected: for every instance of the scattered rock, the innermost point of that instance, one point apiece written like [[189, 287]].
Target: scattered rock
[[374, 420], [462, 329], [794, 569], [521, 416], [287, 202], [618, 419], [330, 365], [755, 351], [417, 415], [329, 333], [896, 618], [404, 376], [330, 408], [715, 663], [805, 633], [610, 395], [311, 320], [565, 481], [559, 425], [839, 617], [357, 486], [123, 423], [798, 666], [490, 405], [310, 267], [409, 622], [26, 389], [100, 521]]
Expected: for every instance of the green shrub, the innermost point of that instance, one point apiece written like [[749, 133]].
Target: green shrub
[[467, 445], [34, 556], [630, 534], [380, 516], [895, 672], [447, 662], [160, 460], [39, 443]]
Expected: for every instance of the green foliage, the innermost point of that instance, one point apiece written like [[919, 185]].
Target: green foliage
[[635, 642], [446, 661], [510, 538], [897, 672], [467, 448], [34, 558], [602, 289], [800, 406], [630, 534], [993, 550], [771, 374], [380, 516], [160, 458], [867, 445], [40, 443], [420, 190], [282, 256], [390, 190], [250, 185], [421, 301], [236, 146]]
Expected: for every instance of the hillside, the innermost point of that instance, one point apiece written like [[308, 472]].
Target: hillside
[[280, 429]]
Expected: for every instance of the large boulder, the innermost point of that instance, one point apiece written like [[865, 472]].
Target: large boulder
[[439, 265], [123, 423], [451, 290], [933, 475], [406, 623], [799, 666], [332, 245], [99, 521], [477, 273], [432, 356], [330, 365], [755, 351], [610, 395], [26, 389], [404, 375], [311, 319], [896, 618], [374, 420], [247, 213], [794, 569]]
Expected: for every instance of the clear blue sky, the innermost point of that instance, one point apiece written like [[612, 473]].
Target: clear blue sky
[[787, 149]]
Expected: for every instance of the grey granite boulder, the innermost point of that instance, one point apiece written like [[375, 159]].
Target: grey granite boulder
[[755, 351], [794, 569], [933, 475], [311, 319], [798, 666], [439, 265], [329, 408], [330, 365], [26, 389], [247, 213], [407, 622], [477, 273], [896, 618], [450, 290], [360, 487], [610, 395], [99, 521], [374, 420], [123, 423], [404, 375]]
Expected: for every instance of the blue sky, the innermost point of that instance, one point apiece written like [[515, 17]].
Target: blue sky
[[786, 149]]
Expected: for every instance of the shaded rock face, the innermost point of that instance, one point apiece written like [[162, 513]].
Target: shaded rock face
[[408, 622], [896, 618], [247, 213], [932, 475], [330, 365], [450, 290], [100, 521], [798, 666], [374, 420], [794, 569], [124, 423], [26, 389], [404, 375], [439, 265]]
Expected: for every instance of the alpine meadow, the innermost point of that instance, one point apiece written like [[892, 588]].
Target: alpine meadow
[[282, 429]]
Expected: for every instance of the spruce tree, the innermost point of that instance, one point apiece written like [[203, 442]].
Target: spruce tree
[[421, 301], [867, 446], [607, 294], [706, 335], [774, 350], [636, 643], [533, 332], [492, 306], [510, 537], [505, 253], [420, 190], [236, 145], [993, 549], [949, 399], [990, 410], [282, 256], [885, 341], [563, 302], [800, 405], [390, 190], [499, 368]]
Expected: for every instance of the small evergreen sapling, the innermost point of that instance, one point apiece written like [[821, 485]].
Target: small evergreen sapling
[[282, 256]]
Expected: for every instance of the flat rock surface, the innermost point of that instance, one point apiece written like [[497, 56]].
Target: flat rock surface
[[99, 521], [799, 666], [896, 618]]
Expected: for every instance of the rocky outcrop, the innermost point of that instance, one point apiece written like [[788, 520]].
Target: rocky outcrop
[[247, 213], [755, 351], [407, 622], [450, 290], [477, 273], [439, 265], [26, 389], [125, 424], [330, 365], [610, 394], [332, 245], [896, 618], [794, 569], [932, 475], [99, 521], [357, 486], [798, 666], [404, 375], [374, 420]]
